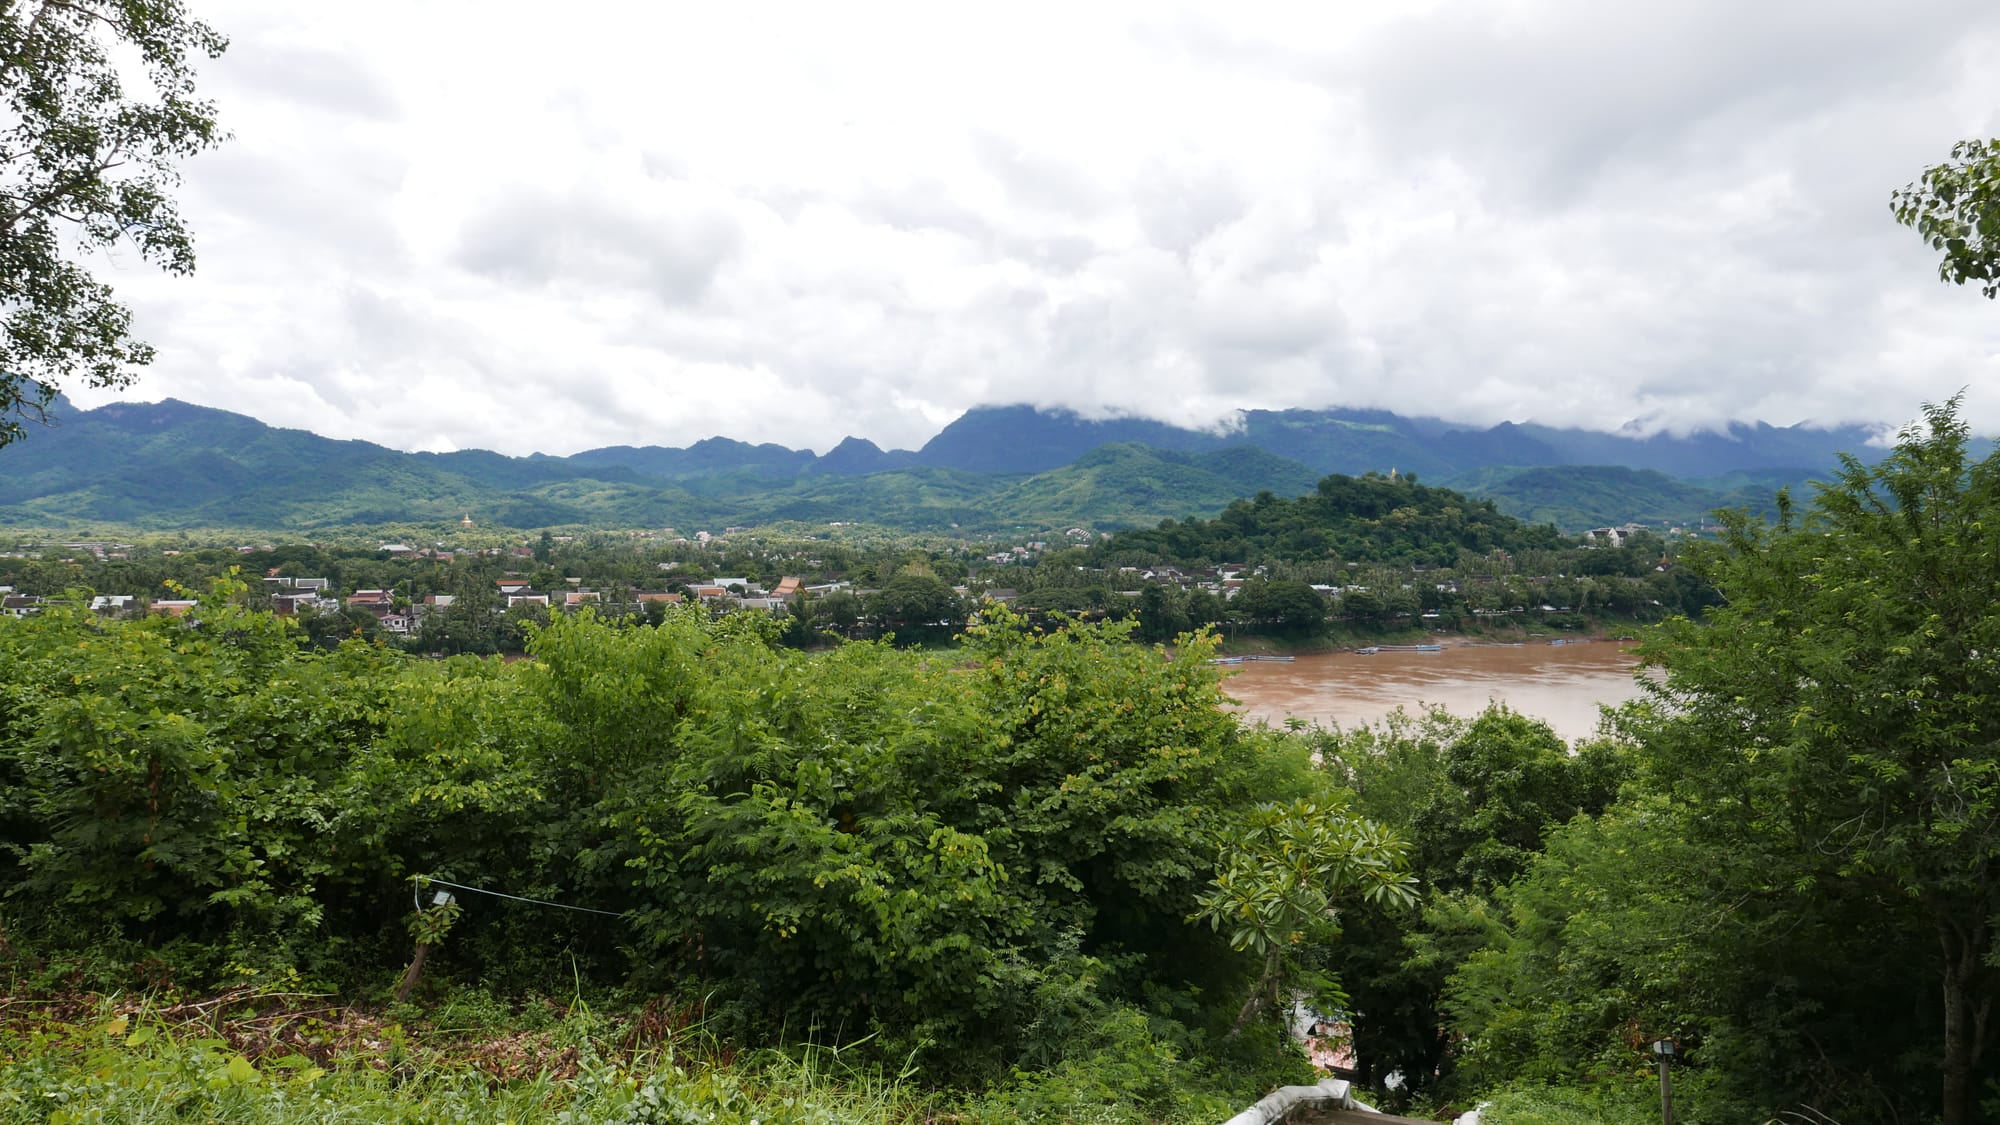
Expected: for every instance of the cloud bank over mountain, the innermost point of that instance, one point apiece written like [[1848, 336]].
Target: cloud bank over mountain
[[455, 226]]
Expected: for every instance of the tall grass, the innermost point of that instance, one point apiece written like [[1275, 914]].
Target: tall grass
[[1550, 1105], [132, 1065]]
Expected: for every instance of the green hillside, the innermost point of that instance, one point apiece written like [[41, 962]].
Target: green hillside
[[1372, 518], [172, 465], [1578, 497], [1133, 485], [176, 466]]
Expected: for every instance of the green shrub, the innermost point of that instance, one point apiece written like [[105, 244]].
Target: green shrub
[[1570, 1105]]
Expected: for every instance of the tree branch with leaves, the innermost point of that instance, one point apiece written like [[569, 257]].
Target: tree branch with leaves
[[1955, 206], [1282, 873], [86, 164]]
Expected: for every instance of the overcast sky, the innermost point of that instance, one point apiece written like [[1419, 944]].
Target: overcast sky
[[536, 227]]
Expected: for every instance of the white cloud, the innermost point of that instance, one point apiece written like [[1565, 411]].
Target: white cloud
[[484, 226]]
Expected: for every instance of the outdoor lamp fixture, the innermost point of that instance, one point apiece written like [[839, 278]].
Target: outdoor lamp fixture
[[1664, 1051]]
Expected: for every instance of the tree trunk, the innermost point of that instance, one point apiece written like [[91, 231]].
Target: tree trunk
[[1266, 989], [1957, 1057], [1966, 1011], [415, 972]]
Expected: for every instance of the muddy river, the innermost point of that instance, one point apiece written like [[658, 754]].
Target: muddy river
[[1560, 684]]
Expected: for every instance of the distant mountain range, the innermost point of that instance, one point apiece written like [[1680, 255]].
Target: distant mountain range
[[173, 465]]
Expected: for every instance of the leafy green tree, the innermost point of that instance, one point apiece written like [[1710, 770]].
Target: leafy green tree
[[917, 607], [1105, 770], [1834, 714], [87, 162], [1476, 800], [1162, 613], [1505, 784], [470, 624], [1576, 962], [1284, 868], [330, 630], [1955, 206], [517, 625], [1364, 606], [182, 777], [870, 835], [1280, 606], [842, 610], [1788, 1005], [801, 628], [1810, 852], [1204, 608]]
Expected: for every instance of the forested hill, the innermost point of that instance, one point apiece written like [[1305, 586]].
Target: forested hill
[[1373, 518], [1575, 497], [1025, 439], [175, 465]]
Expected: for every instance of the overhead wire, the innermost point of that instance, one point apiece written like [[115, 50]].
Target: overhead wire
[[416, 893]]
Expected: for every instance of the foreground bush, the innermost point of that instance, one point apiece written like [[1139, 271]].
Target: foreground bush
[[982, 864]]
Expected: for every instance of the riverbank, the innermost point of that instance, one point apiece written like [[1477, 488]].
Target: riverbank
[[1351, 640]]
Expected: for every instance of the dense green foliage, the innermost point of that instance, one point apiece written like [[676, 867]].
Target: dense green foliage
[[990, 862], [1801, 881], [1543, 1105], [1477, 799], [1287, 868], [1364, 519], [1362, 560]]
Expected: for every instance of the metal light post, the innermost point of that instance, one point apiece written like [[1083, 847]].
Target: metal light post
[[1663, 1050]]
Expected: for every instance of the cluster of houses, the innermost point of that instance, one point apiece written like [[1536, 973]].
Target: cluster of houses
[[1028, 551], [14, 604], [396, 614]]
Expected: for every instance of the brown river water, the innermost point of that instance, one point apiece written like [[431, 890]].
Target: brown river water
[[1561, 685]]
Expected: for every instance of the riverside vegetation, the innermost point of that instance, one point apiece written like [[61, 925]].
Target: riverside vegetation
[[1038, 876]]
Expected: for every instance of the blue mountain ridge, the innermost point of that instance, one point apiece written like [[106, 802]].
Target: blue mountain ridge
[[174, 463]]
